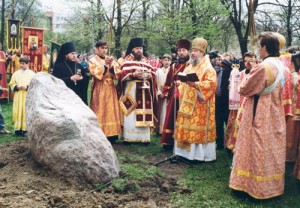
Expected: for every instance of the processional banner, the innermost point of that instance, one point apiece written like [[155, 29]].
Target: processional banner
[[13, 36], [54, 52], [32, 46]]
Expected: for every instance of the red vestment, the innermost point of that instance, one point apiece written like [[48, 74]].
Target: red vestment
[[3, 81], [259, 158], [169, 92], [136, 102]]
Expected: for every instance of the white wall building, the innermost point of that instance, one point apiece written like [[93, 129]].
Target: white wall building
[[60, 12]]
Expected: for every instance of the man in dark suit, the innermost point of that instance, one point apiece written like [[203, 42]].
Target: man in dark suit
[[222, 100]]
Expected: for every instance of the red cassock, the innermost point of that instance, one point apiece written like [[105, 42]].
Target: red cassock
[[169, 91]]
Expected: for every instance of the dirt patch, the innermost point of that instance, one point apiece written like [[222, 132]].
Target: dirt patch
[[24, 183]]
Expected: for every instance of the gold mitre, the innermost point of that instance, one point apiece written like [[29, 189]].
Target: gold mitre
[[281, 40], [200, 44]]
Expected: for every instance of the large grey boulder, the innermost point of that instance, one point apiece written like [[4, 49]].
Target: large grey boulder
[[64, 133]]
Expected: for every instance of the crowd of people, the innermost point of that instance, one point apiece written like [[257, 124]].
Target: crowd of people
[[196, 101]]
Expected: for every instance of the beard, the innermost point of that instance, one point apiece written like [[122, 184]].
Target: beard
[[184, 59], [195, 61], [137, 56]]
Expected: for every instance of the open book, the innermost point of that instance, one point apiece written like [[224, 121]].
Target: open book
[[192, 77]]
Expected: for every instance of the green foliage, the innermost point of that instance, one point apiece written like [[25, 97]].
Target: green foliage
[[165, 22], [194, 18], [210, 188], [140, 171], [134, 187], [124, 185], [131, 158], [134, 170], [9, 125], [85, 28], [119, 184], [135, 166], [147, 149], [27, 11], [99, 186]]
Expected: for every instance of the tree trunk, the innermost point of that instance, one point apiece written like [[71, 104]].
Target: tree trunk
[[2, 23], [172, 13], [118, 31], [242, 39], [26, 14], [243, 43], [288, 24], [99, 20], [235, 18], [145, 25], [13, 9], [194, 19]]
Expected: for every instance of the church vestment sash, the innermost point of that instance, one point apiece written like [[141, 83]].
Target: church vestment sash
[[96, 67], [279, 77]]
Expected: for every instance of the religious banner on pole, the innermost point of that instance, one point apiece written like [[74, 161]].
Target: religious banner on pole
[[13, 35], [53, 53], [32, 46]]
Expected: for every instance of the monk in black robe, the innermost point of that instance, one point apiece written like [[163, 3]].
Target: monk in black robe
[[71, 72]]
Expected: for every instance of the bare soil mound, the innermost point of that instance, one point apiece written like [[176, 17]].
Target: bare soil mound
[[24, 183]]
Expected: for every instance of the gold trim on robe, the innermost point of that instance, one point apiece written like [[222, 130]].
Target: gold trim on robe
[[195, 122], [104, 100], [137, 123], [260, 150]]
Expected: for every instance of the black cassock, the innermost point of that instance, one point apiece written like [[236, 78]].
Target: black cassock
[[65, 69]]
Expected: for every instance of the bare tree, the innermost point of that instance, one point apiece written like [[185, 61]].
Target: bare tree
[[13, 8], [240, 20], [124, 10], [284, 18], [146, 6], [97, 20], [27, 11], [2, 22]]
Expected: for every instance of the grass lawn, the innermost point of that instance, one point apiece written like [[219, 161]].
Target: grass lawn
[[7, 114], [208, 182]]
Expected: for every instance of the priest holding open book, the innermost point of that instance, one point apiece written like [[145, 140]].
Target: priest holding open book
[[191, 77], [195, 129]]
